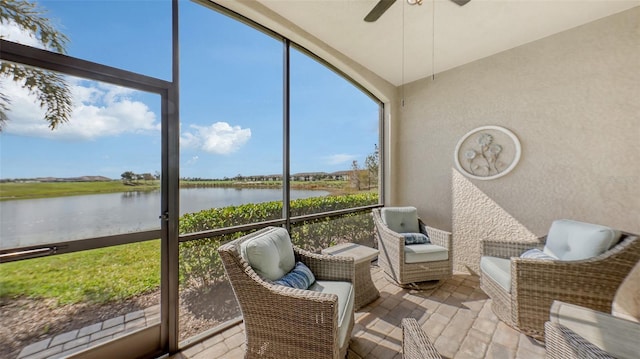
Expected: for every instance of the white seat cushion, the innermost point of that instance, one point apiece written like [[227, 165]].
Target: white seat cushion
[[617, 337], [498, 269], [346, 297], [401, 219], [270, 254], [418, 253], [571, 240]]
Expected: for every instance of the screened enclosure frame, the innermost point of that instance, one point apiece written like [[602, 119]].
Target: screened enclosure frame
[[168, 232], [157, 339]]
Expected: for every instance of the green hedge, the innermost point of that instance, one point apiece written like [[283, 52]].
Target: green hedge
[[199, 261]]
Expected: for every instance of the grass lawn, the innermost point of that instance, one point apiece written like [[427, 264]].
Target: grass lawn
[[95, 276], [14, 190]]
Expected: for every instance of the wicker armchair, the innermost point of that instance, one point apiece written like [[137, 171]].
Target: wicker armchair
[[392, 257], [575, 332], [283, 322], [536, 283], [415, 343]]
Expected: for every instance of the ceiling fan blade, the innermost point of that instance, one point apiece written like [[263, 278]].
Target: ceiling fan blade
[[378, 10], [461, 2]]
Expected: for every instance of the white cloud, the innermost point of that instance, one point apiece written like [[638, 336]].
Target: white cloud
[[340, 158], [12, 32], [193, 160], [98, 110], [219, 138]]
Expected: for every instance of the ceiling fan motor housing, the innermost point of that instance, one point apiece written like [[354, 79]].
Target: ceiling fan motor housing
[[383, 5]]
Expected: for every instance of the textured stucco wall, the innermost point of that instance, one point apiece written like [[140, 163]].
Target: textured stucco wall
[[573, 100], [476, 216]]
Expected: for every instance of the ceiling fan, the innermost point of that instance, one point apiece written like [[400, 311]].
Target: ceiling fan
[[383, 5]]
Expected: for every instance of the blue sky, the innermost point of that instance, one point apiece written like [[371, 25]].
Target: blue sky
[[230, 98]]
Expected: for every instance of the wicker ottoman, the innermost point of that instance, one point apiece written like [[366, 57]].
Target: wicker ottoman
[[366, 291]]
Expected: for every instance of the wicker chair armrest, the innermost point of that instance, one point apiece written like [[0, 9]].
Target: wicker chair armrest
[[556, 277], [536, 283], [302, 296], [327, 267], [583, 326], [563, 343], [437, 236], [415, 343], [508, 249]]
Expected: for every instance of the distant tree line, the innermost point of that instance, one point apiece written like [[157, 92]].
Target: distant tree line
[[359, 177], [131, 178]]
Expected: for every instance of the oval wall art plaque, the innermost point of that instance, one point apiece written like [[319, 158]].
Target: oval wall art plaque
[[487, 152]]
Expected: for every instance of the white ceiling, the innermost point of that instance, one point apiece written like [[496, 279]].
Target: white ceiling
[[462, 34]]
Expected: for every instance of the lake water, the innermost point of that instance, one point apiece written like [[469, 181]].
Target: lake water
[[48, 220]]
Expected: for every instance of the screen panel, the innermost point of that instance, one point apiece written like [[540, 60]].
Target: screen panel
[[95, 174], [334, 133]]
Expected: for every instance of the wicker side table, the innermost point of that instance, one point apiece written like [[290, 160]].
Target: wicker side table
[[366, 291]]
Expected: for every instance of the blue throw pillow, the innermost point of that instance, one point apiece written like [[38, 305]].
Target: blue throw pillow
[[300, 277], [535, 253], [415, 238]]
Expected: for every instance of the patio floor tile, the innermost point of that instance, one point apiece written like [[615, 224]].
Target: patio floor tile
[[456, 316]]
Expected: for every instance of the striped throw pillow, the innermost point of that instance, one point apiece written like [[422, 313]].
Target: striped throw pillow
[[415, 238], [300, 277]]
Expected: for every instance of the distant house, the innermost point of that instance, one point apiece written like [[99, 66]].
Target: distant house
[[262, 178], [302, 176], [340, 175], [273, 178], [309, 176]]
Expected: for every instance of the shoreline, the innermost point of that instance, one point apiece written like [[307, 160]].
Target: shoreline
[[11, 191]]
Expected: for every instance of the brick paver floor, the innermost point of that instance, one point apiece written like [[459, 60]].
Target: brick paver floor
[[456, 316], [66, 344]]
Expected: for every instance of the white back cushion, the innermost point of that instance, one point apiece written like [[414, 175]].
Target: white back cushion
[[270, 254], [573, 240], [401, 219]]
